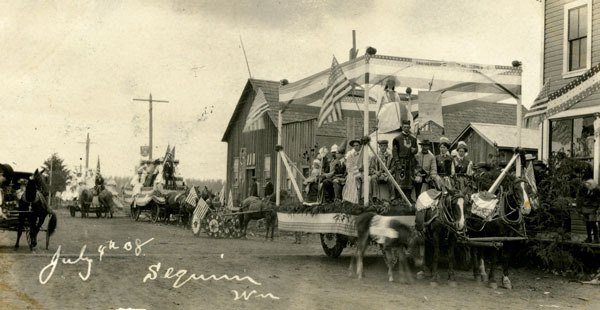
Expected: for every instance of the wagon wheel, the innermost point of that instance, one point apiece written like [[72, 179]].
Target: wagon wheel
[[235, 229], [154, 213], [72, 211], [333, 244], [215, 225], [48, 233], [196, 224], [136, 213]]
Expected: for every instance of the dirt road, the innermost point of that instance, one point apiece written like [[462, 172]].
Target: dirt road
[[148, 266]]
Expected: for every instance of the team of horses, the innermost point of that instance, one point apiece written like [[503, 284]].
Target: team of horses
[[445, 224], [448, 223]]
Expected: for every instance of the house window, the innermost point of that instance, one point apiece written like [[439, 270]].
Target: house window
[[236, 171], [267, 171], [573, 137], [577, 36]]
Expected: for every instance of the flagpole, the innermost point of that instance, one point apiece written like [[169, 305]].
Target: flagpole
[[278, 183], [366, 133], [516, 64]]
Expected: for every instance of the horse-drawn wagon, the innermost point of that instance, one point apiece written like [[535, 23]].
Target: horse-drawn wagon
[[26, 210], [336, 223]]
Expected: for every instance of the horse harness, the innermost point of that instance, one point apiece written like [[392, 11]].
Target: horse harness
[[445, 216]]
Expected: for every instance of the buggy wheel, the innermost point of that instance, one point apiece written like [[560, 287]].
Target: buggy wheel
[[72, 211], [215, 227], [236, 230], [196, 225], [154, 213], [333, 244]]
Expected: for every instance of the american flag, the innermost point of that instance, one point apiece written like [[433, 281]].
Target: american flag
[[230, 202], [222, 196], [255, 120], [201, 209], [530, 176], [192, 197], [337, 88]]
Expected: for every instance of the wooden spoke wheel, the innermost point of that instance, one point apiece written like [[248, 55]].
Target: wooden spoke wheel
[[236, 230], [215, 226], [197, 224], [333, 244], [154, 213]]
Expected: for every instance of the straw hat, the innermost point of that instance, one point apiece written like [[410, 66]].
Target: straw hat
[[462, 145]]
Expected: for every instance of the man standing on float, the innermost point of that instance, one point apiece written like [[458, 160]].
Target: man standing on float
[[404, 148]]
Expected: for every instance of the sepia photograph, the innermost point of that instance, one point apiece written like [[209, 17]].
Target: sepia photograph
[[306, 154]]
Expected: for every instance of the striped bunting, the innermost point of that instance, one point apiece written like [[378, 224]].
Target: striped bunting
[[255, 120], [488, 83], [338, 88]]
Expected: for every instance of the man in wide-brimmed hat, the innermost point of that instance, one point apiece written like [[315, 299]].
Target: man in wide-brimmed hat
[[21, 190], [381, 185], [404, 148], [426, 170]]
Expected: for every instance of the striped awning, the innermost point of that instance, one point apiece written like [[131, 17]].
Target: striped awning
[[459, 82], [548, 104]]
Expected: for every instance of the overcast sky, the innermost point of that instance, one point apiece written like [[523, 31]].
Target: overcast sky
[[73, 67]]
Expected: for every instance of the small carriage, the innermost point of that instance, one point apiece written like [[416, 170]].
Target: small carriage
[[218, 222], [9, 201]]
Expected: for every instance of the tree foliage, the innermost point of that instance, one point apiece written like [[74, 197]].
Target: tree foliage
[[58, 174]]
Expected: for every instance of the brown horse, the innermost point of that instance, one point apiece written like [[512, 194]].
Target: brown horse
[[254, 208], [508, 221], [443, 221], [33, 208], [395, 238]]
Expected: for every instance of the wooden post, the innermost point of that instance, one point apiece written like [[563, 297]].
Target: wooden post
[[150, 119], [366, 133], [503, 174], [518, 64], [278, 182], [292, 178], [597, 148]]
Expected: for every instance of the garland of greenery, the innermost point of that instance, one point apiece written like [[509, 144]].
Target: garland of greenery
[[393, 208]]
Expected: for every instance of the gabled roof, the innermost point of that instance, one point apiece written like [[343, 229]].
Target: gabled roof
[[458, 116], [291, 115], [504, 136]]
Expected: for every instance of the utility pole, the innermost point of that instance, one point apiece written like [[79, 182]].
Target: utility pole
[[87, 153], [150, 121]]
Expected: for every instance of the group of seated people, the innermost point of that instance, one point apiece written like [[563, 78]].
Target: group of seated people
[[337, 175]]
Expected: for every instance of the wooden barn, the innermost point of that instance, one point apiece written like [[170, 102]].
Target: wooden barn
[[458, 117], [252, 154], [489, 142]]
